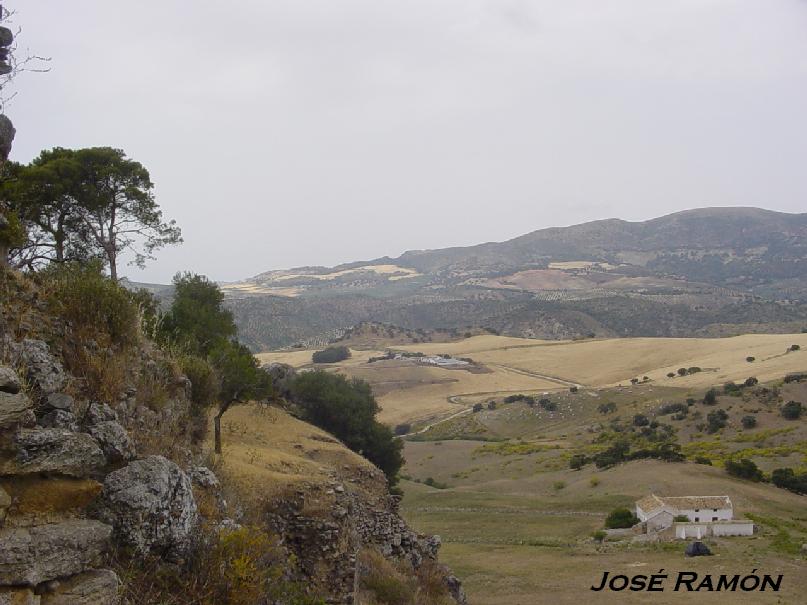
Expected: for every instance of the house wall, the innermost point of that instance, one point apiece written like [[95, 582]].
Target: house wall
[[701, 530], [707, 514], [659, 521]]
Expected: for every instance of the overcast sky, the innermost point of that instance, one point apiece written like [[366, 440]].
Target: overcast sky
[[314, 132]]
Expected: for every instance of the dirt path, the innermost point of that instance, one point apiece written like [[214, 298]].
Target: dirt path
[[457, 399]]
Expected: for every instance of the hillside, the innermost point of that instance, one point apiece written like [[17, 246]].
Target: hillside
[[709, 272], [499, 486], [412, 392]]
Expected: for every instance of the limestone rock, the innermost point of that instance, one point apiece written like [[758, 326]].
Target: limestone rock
[[7, 130], [59, 401], [150, 504], [9, 381], [100, 412], [18, 596], [59, 419], [44, 371], [95, 587], [203, 476], [114, 441], [30, 556], [54, 451], [14, 408]]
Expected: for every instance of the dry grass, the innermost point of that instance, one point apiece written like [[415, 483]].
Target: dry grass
[[267, 452]]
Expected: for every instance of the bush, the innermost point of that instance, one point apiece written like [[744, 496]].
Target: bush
[[749, 422], [693, 370], [491, 405], [606, 408], [787, 478], [750, 359], [347, 409], [673, 408], [750, 381], [204, 391], [731, 388], [573, 389], [331, 355], [792, 410], [794, 347], [621, 518], [703, 460], [577, 461], [594, 481], [710, 397], [477, 408], [640, 420], [682, 371], [744, 469], [797, 377], [670, 374], [548, 405], [599, 535], [558, 485], [716, 420], [402, 429], [91, 302]]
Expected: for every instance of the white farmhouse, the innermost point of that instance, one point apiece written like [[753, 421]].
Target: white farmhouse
[[706, 516]]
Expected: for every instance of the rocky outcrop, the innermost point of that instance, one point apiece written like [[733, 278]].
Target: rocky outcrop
[[114, 441], [94, 587], [151, 506], [5, 504], [57, 451], [30, 556], [9, 381], [203, 477], [14, 409], [44, 371]]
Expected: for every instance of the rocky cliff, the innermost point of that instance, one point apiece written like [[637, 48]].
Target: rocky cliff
[[107, 500]]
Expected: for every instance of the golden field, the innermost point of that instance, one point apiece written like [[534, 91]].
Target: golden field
[[408, 392]]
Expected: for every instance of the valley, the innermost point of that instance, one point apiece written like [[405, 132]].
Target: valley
[[496, 484]]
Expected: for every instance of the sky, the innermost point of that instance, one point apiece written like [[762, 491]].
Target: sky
[[284, 133]]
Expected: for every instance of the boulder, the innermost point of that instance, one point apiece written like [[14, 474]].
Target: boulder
[[151, 506], [94, 587], [18, 596], [54, 451], [9, 381], [32, 555], [59, 419], [14, 409], [100, 412], [114, 441], [44, 371], [59, 401], [203, 477]]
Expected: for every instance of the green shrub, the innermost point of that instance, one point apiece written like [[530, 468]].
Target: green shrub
[[599, 535], [92, 302], [331, 355], [710, 397], [750, 359], [716, 420], [792, 410], [620, 518], [744, 469], [749, 421]]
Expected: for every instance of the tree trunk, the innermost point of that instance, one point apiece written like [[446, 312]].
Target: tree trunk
[[217, 432], [113, 265], [217, 425], [3, 255]]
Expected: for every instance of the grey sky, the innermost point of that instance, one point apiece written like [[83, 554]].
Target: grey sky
[[296, 132]]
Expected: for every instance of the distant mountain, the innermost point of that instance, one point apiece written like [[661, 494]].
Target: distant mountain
[[707, 271]]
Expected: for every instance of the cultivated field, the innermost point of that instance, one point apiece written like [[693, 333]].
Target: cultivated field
[[413, 393]]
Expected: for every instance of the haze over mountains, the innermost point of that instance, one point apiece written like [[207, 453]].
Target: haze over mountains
[[706, 272]]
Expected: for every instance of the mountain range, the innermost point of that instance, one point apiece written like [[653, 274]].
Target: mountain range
[[705, 272]]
